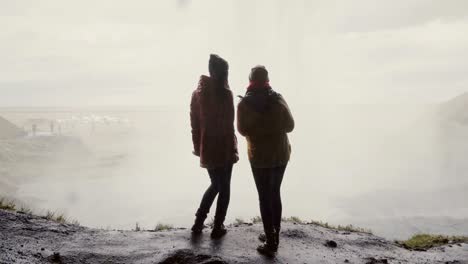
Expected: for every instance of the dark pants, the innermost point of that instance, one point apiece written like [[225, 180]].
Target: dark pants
[[268, 182], [220, 184]]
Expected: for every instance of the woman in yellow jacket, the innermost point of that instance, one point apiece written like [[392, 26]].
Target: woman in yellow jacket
[[264, 118]]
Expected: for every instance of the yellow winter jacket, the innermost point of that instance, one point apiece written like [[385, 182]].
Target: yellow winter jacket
[[264, 118]]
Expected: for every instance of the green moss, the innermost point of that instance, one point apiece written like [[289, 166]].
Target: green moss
[[426, 241]]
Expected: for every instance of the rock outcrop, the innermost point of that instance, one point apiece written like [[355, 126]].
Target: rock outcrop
[[32, 239]]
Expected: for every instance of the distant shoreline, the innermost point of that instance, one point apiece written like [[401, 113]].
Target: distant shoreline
[[46, 109]]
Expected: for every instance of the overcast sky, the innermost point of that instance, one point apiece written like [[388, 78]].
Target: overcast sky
[[109, 52]]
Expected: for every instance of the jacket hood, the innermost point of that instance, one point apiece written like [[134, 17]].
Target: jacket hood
[[260, 99], [206, 84]]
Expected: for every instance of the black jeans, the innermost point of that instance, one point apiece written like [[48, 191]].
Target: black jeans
[[220, 184], [268, 182]]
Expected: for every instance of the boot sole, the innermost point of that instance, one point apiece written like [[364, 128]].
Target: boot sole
[[266, 252]]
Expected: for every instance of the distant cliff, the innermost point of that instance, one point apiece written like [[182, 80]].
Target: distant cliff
[[9, 130]]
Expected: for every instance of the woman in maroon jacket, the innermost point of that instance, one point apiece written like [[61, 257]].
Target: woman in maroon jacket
[[214, 141]]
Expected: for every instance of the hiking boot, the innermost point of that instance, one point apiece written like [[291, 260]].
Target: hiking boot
[[262, 237], [198, 226], [267, 249], [218, 232], [197, 229]]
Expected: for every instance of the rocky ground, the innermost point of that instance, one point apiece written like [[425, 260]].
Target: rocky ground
[[32, 239]]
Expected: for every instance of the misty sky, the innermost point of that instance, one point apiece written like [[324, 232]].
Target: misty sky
[[108, 52]]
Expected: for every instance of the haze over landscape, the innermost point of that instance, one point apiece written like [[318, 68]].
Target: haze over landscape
[[377, 89]]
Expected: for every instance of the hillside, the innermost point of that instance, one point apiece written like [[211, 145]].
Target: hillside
[[8, 129], [455, 110], [31, 239]]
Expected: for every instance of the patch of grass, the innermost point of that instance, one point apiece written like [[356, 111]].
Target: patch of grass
[[25, 210], [256, 220], [11, 205], [293, 219], [59, 218], [162, 227], [351, 228], [50, 215], [7, 204], [239, 221], [320, 223], [426, 241], [137, 227], [348, 228]]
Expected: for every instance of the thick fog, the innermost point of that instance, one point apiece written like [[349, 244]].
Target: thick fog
[[376, 89]]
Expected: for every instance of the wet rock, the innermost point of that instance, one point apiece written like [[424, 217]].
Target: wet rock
[[331, 244], [294, 234], [55, 258], [189, 257], [376, 261]]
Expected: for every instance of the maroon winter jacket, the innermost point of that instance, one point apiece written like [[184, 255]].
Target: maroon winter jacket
[[212, 120]]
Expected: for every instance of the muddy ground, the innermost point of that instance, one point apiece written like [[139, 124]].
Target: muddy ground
[[32, 239]]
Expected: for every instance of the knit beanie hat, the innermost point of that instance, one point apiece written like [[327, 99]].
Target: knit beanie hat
[[259, 74], [217, 66]]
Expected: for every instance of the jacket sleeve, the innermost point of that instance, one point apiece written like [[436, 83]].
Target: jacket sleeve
[[231, 116], [287, 118], [241, 119], [195, 123]]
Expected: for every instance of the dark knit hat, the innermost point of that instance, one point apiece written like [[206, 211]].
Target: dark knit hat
[[217, 66], [259, 74]]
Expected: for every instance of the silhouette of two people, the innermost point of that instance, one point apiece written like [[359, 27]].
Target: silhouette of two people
[[264, 119]]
